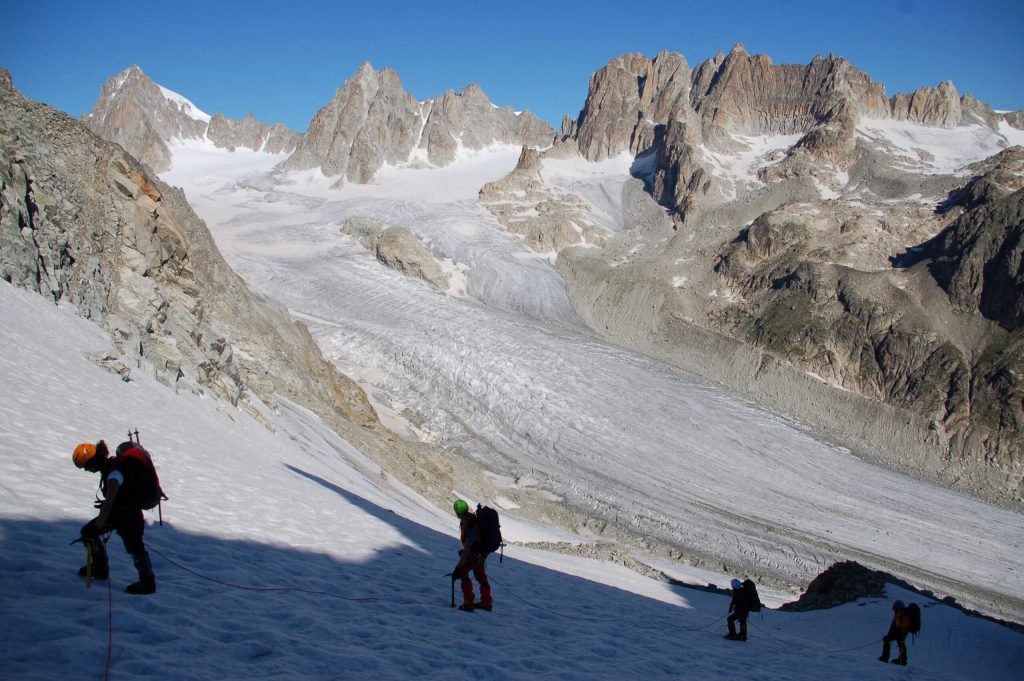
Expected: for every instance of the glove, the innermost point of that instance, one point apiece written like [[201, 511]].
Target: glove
[[91, 531]]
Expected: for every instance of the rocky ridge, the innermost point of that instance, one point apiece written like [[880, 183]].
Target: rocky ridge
[[794, 283], [372, 121], [144, 117]]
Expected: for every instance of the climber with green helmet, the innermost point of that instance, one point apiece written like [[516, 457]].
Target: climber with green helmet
[[471, 560]]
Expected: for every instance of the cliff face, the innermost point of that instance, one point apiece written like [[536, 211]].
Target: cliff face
[[143, 118], [83, 222], [795, 191], [372, 121]]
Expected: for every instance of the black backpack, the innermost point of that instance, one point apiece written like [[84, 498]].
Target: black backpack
[[914, 613], [755, 599], [490, 529]]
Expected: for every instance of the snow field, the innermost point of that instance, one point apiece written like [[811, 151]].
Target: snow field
[[362, 558]]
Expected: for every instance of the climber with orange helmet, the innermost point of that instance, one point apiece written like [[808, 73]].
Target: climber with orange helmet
[[126, 483]]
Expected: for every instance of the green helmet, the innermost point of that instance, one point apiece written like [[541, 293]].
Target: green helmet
[[461, 507]]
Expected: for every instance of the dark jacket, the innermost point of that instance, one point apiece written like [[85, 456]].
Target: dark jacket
[[742, 601], [138, 486], [900, 626], [469, 533]]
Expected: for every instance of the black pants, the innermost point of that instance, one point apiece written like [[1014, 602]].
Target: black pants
[[901, 644], [130, 526], [741, 617]]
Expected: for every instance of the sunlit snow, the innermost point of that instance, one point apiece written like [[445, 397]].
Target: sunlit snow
[[616, 435], [287, 554], [185, 106], [931, 149]]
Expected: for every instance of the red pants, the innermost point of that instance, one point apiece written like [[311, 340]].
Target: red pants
[[474, 564]]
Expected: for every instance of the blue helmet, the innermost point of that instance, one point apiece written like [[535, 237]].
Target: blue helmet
[[899, 605], [736, 583]]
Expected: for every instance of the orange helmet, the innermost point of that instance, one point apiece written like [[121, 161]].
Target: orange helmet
[[83, 454]]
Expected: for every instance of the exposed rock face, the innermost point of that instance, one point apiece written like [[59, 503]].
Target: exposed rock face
[[637, 104], [977, 260], [143, 117], [248, 133], [841, 583], [629, 98], [399, 249], [548, 218], [790, 279], [83, 222], [372, 120], [468, 118]]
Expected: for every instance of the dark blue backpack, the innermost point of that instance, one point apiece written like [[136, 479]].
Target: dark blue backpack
[[914, 613], [755, 599]]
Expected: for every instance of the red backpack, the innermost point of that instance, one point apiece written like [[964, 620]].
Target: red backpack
[[153, 494]]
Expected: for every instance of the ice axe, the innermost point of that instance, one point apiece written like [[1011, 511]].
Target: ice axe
[[88, 560], [452, 575]]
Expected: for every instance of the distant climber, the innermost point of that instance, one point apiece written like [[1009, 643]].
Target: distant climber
[[898, 631], [128, 483], [744, 601], [472, 558]]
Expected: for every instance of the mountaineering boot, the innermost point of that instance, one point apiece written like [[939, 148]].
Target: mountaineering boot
[[483, 606], [743, 632], [467, 607], [730, 636], [147, 580], [902, 661], [145, 585], [884, 658]]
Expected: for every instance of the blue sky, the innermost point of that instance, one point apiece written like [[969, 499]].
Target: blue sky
[[283, 60]]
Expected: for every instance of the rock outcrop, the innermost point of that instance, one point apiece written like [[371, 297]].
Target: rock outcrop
[[143, 117], [83, 222], [399, 249], [843, 582], [548, 218], [372, 121]]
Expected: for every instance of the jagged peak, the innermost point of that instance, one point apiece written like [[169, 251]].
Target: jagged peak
[[365, 68], [129, 76], [739, 50], [474, 91]]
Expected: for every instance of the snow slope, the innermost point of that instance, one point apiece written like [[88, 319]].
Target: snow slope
[[614, 434], [288, 555]]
